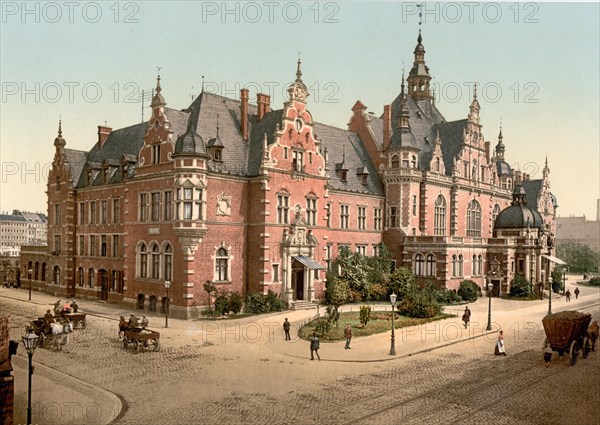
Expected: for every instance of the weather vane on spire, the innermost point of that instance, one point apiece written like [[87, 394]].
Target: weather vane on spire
[[420, 6], [158, 68]]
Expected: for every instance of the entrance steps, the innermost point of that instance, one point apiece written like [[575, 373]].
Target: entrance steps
[[302, 305]]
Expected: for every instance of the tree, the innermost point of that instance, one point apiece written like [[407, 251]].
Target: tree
[[402, 282], [468, 290], [209, 288], [380, 265], [580, 257]]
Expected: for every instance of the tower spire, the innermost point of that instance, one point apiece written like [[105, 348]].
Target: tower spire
[[158, 100], [418, 77]]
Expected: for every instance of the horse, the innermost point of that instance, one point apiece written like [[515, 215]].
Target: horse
[[60, 334]]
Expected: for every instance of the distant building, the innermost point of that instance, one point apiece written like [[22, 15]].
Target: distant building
[[580, 230], [252, 199], [21, 228]]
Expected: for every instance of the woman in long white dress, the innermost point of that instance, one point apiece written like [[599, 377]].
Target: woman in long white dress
[[500, 350]]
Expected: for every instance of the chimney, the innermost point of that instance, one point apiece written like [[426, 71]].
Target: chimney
[[244, 112], [387, 125], [487, 151], [263, 101], [103, 133]]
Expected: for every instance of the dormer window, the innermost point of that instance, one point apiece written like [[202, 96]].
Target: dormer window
[[217, 155], [298, 161]]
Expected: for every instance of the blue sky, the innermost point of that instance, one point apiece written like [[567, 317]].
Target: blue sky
[[537, 65]]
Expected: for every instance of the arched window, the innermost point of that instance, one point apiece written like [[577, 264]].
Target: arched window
[[430, 269], [475, 264], [413, 163], [480, 264], [495, 212], [36, 270], [143, 262], [56, 275], [80, 276], [91, 278], [44, 272], [437, 164], [418, 265], [395, 161], [460, 265], [155, 262], [168, 263], [474, 219], [222, 265], [439, 217], [454, 266]]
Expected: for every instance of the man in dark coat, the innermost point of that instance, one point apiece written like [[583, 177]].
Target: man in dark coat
[[286, 329], [314, 346], [466, 316]]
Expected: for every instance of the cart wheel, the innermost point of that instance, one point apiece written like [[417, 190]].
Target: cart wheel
[[574, 352], [42, 339], [586, 347], [156, 345], [136, 346]]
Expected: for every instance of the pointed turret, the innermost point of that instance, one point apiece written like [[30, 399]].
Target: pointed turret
[[403, 120], [297, 89], [474, 108], [158, 100], [418, 77], [500, 148], [59, 142], [546, 170]]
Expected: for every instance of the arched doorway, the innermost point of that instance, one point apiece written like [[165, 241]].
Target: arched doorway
[[298, 280]]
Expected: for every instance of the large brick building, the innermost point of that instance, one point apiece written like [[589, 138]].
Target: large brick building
[[252, 198]]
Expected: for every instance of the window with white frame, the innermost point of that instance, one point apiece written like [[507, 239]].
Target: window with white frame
[[328, 215], [143, 262], [283, 207], [439, 216], [377, 218], [82, 213], [495, 212], [311, 211], [116, 210], [93, 212], [454, 265], [328, 256], [155, 262], [81, 245], [103, 212], [430, 269], [275, 272], [92, 245], [143, 208], [155, 154], [414, 205], [190, 203], [222, 265], [168, 212], [115, 247], [361, 249], [474, 219], [344, 216], [362, 218], [168, 262], [298, 161], [155, 206], [460, 265], [393, 217]]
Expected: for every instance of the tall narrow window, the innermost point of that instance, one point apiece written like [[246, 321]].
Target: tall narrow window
[[155, 262], [328, 215], [275, 273], [115, 247], [92, 245], [143, 207], [430, 269], [93, 212], [81, 213], [454, 265], [81, 245], [414, 205], [311, 211], [439, 216], [188, 194], [362, 218], [168, 213], [143, 272], [361, 249], [474, 219], [155, 206], [91, 278], [328, 256], [103, 246], [418, 266], [344, 216], [222, 265], [393, 217], [116, 211], [475, 272], [168, 265], [57, 218], [283, 206], [57, 243], [298, 161], [377, 218], [103, 212], [460, 265], [495, 212], [155, 154]]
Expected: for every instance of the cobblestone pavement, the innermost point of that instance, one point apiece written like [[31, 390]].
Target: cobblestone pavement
[[248, 380]]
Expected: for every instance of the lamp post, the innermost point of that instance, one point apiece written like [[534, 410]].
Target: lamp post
[[490, 286], [29, 272], [393, 347], [550, 296], [564, 270], [167, 285], [30, 342]]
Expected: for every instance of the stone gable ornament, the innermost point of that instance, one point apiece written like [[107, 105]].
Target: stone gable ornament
[[223, 205]]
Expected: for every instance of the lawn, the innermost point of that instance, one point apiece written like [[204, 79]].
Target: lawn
[[380, 322]]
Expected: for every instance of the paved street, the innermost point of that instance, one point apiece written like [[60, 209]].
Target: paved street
[[242, 371]]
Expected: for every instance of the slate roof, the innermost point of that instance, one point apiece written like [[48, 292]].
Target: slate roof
[[451, 134], [533, 189], [76, 160]]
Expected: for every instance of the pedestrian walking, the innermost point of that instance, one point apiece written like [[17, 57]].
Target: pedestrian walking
[[348, 335], [500, 349], [286, 329], [74, 306], [568, 295], [466, 316], [547, 354], [576, 293], [314, 346]]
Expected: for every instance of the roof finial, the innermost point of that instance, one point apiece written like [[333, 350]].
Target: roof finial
[[298, 70], [59, 126], [158, 89], [546, 160], [475, 92], [202, 84]]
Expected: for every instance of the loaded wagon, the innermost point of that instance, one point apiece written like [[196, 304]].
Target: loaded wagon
[[566, 333], [78, 319], [141, 338]]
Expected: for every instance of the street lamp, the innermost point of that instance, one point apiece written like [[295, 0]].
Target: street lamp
[[550, 296], [29, 272], [564, 270], [30, 342], [167, 285], [489, 325], [393, 347]]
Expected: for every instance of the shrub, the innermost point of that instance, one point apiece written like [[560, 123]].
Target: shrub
[[221, 304], [557, 282], [234, 304], [595, 281], [365, 314], [274, 301], [378, 292], [447, 297], [257, 303], [333, 316], [402, 282], [419, 304], [468, 290], [323, 326], [520, 287]]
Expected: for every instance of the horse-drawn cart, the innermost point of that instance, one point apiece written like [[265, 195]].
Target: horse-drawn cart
[[566, 332], [141, 338], [78, 319], [56, 333]]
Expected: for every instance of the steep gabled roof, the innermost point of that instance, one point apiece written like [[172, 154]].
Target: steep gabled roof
[[451, 134]]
